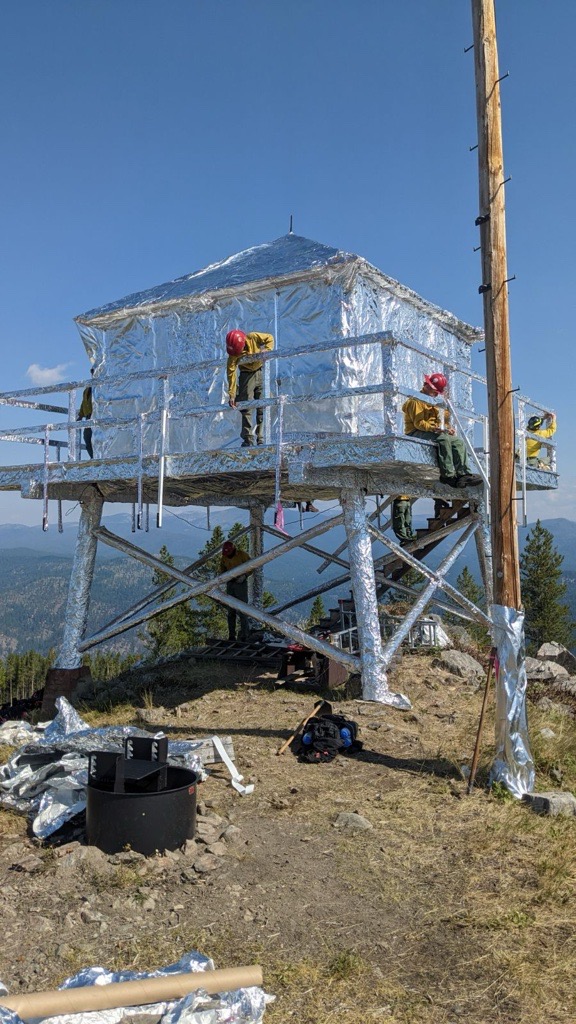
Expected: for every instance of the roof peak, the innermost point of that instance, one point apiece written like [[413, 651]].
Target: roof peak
[[288, 254]]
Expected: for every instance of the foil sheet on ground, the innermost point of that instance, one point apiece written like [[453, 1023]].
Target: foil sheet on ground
[[242, 1006], [46, 778]]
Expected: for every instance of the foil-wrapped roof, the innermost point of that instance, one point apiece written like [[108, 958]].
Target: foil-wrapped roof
[[291, 257], [290, 254]]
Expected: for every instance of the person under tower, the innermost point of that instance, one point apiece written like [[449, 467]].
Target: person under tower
[[422, 420], [402, 519], [231, 558], [245, 381]]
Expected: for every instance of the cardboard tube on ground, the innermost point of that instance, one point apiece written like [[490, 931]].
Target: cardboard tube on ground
[[131, 993]]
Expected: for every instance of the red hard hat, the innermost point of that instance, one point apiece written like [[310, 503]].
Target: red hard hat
[[438, 382], [228, 548], [235, 342]]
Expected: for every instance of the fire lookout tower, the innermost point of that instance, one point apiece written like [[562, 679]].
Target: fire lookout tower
[[351, 344]]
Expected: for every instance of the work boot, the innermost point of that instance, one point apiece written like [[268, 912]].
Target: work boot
[[311, 507], [450, 481], [468, 480]]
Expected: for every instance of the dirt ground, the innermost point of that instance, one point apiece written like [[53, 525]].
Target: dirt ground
[[446, 908]]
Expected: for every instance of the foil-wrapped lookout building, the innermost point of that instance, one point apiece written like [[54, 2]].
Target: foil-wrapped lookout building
[[351, 344], [311, 297]]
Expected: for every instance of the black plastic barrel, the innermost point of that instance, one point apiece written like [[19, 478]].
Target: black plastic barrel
[[143, 821]]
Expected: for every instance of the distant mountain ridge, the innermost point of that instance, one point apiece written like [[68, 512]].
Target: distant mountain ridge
[[36, 570]]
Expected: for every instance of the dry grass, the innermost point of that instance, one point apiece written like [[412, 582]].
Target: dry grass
[[451, 908]]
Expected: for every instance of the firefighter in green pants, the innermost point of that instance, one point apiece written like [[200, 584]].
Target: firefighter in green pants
[[422, 420], [402, 519], [246, 385]]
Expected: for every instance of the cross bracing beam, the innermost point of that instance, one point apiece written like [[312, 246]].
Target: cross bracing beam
[[437, 576], [309, 547], [195, 587], [350, 662], [436, 580], [165, 587], [379, 565], [342, 547]]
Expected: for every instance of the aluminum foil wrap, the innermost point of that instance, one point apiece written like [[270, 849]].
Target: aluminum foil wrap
[[243, 1006], [513, 765], [47, 779], [304, 294], [80, 580], [374, 679]]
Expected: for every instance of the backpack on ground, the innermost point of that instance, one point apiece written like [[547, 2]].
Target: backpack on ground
[[327, 736]]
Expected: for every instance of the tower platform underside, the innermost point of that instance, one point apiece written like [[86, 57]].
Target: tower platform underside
[[311, 468]]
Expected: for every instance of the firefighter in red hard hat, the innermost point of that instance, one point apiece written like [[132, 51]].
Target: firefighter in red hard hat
[[238, 587], [422, 419], [246, 385]]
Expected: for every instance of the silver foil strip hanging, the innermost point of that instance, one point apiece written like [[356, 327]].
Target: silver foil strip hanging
[[513, 764]]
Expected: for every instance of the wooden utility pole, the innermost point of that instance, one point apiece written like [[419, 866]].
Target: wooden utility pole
[[494, 288]]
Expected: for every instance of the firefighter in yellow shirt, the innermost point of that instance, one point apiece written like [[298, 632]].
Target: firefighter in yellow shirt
[[245, 381], [232, 557], [422, 419], [536, 425]]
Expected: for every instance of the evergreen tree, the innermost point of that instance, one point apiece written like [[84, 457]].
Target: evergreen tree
[[469, 588], [174, 629], [543, 589], [317, 612], [212, 616]]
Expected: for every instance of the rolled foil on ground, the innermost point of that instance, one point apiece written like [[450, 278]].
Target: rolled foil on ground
[[243, 1006], [513, 764], [46, 778]]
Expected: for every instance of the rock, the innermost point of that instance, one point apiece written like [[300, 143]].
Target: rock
[[62, 851], [42, 925], [190, 848], [540, 671], [232, 835], [126, 857], [554, 803], [150, 716], [218, 849], [206, 838], [90, 859], [28, 863], [348, 819], [545, 704], [460, 664], [206, 862], [566, 686], [547, 734], [90, 916], [213, 819], [561, 655]]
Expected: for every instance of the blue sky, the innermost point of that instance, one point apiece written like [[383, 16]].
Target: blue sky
[[144, 140]]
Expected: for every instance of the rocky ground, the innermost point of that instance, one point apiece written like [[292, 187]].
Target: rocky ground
[[370, 889]]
